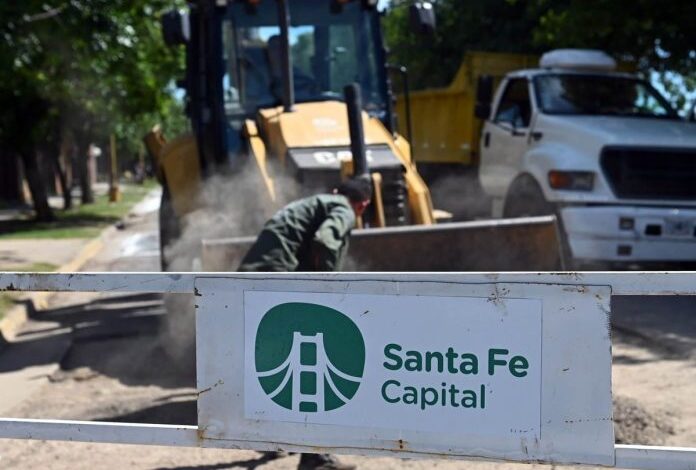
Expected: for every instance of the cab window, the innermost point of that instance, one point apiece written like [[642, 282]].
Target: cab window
[[515, 108]]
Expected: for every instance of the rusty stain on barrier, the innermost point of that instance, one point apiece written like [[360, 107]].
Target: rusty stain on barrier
[[581, 289], [216, 384]]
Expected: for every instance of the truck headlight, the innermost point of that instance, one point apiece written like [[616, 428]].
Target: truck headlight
[[571, 180]]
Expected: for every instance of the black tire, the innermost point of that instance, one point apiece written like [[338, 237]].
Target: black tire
[[169, 230], [526, 199]]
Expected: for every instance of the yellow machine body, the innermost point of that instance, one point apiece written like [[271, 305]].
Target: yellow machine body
[[325, 125], [177, 167], [322, 125]]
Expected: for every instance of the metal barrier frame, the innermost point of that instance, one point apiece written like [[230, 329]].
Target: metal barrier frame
[[621, 284]]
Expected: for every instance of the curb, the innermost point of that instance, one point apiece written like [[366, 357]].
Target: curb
[[27, 306]]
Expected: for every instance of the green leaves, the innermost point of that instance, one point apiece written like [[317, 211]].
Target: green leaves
[[100, 65], [481, 25], [659, 36]]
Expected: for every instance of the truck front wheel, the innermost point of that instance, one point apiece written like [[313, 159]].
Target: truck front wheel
[[526, 199]]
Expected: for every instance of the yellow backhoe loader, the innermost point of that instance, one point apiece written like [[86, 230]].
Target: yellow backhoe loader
[[297, 93]]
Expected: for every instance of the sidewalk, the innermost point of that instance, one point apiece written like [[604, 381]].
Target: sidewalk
[[61, 249], [32, 255]]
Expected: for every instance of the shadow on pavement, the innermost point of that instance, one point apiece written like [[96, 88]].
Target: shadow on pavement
[[176, 412], [183, 412], [116, 336], [250, 464], [665, 325]]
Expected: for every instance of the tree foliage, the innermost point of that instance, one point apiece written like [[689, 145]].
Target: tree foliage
[[657, 36], [660, 37], [86, 67], [476, 25], [98, 57]]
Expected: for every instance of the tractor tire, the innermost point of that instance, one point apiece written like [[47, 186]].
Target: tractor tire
[[169, 229]]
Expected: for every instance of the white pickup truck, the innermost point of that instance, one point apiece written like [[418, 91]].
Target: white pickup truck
[[602, 150]]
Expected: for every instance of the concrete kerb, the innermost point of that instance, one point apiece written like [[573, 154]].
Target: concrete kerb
[[18, 315]]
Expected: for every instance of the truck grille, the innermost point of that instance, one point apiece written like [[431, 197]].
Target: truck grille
[[650, 173]]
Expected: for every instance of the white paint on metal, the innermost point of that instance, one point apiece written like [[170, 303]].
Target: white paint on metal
[[89, 431], [393, 325], [627, 456], [98, 282], [573, 415], [622, 283], [655, 457]]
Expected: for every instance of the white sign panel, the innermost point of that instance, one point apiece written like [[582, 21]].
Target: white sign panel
[[374, 364], [382, 361]]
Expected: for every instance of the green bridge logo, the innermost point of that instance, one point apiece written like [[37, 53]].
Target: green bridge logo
[[309, 357]]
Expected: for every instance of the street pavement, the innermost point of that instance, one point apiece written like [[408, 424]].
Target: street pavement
[[40, 345], [97, 357]]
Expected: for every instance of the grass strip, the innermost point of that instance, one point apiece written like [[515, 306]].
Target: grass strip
[[84, 221]]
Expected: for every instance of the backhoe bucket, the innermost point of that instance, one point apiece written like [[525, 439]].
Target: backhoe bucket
[[524, 244]]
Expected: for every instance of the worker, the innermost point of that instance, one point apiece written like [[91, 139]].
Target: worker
[[310, 234]]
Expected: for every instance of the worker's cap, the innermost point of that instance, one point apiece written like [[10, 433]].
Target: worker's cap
[[356, 189]]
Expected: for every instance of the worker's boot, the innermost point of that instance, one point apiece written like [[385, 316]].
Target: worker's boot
[[322, 462]]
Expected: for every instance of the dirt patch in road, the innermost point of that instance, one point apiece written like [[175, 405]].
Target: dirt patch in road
[[141, 361], [633, 423]]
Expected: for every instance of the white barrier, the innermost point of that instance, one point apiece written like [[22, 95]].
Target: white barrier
[[497, 366]]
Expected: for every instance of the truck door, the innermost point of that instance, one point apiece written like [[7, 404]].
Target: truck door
[[504, 138]]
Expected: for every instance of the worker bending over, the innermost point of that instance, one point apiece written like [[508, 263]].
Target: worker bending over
[[310, 234]]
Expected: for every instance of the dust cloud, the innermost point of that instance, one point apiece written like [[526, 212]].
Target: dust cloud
[[228, 206], [461, 194]]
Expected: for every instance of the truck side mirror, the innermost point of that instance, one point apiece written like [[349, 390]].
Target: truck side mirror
[[176, 29], [422, 17], [484, 96]]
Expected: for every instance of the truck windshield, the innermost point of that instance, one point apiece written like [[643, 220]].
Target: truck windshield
[[329, 49], [603, 95]]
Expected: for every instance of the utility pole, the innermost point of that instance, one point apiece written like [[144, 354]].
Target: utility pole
[[114, 191]]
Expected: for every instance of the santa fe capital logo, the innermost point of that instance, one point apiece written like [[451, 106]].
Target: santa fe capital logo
[[309, 357]]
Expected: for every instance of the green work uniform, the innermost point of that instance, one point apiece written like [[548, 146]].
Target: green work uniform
[[310, 234]]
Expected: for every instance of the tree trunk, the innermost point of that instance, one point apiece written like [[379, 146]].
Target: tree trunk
[[54, 153], [67, 154], [36, 186], [10, 180], [84, 173]]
